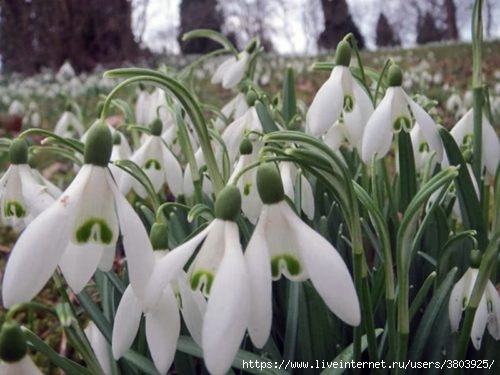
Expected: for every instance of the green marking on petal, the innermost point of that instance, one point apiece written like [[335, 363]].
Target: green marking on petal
[[152, 164], [94, 230], [202, 279], [348, 103], [285, 261], [423, 147], [401, 123], [246, 189], [14, 208]]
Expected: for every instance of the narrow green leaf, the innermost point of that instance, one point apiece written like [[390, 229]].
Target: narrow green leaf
[[63, 363], [467, 196], [346, 356], [420, 340], [289, 100], [265, 118], [141, 362], [407, 174], [95, 314]]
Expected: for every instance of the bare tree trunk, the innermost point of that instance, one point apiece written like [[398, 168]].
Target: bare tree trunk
[[451, 20]]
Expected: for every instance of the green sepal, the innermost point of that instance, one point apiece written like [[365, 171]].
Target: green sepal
[[98, 145], [158, 236], [343, 53], [13, 346], [18, 151], [251, 97], [475, 258], [246, 147], [269, 184], [395, 76], [228, 203], [156, 127]]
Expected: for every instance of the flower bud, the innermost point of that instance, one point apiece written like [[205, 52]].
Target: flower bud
[[251, 97], [156, 127], [228, 203], [18, 151], [13, 346], [98, 145], [475, 258], [395, 76], [343, 53], [246, 147], [269, 184], [251, 46], [158, 236]]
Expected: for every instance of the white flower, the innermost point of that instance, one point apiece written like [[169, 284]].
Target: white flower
[[219, 271], [340, 95], [16, 108], [393, 115], [76, 232], [487, 313], [100, 347], [65, 72], [421, 152], [160, 165], [235, 131], [231, 71], [68, 125], [235, 108], [288, 173], [282, 244], [463, 131], [24, 193], [247, 184], [23, 367]]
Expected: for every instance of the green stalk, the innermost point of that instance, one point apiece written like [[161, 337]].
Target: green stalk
[[477, 91]]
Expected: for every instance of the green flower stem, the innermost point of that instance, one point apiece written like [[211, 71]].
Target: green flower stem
[[71, 143], [360, 62], [488, 264], [405, 251], [28, 306], [134, 75], [477, 113]]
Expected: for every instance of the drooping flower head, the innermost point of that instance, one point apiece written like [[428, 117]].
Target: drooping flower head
[[219, 271], [397, 112], [23, 195], [488, 311], [79, 231], [14, 358], [282, 244], [340, 95]]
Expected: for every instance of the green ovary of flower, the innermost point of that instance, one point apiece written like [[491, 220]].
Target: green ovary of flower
[[95, 230], [401, 123], [246, 189], [202, 279], [152, 164], [14, 208], [348, 103], [285, 261]]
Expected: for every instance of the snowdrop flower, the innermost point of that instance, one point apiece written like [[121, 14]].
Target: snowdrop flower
[[231, 71], [463, 131], [235, 131], [219, 271], [421, 151], [100, 346], [16, 108], [120, 151], [392, 116], [282, 244], [340, 95], [68, 125], [77, 230], [247, 183], [487, 313], [65, 72], [23, 195], [149, 106], [288, 173], [235, 108], [14, 352], [162, 318], [160, 165]]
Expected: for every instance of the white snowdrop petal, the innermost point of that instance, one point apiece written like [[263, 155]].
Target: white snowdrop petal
[[227, 312], [162, 331], [126, 323]]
